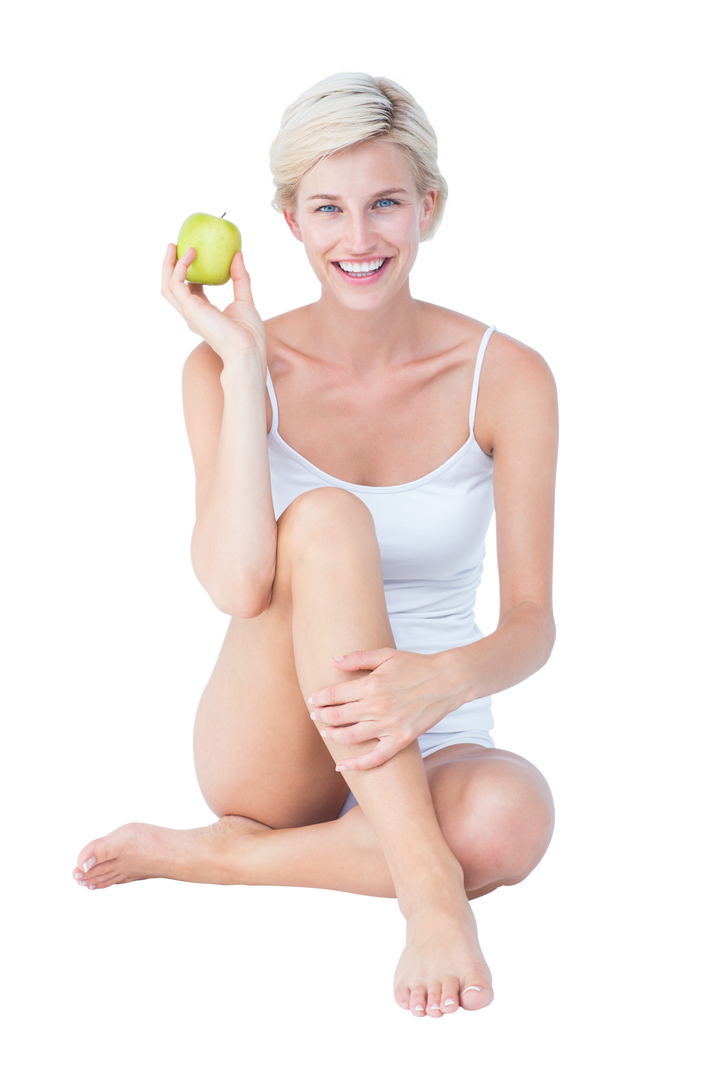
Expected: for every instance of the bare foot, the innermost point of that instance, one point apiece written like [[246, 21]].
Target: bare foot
[[442, 967], [212, 854]]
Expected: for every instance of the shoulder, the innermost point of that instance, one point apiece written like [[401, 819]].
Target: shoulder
[[517, 395], [516, 411], [514, 372], [449, 330]]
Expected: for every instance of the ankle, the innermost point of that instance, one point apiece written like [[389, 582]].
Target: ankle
[[442, 885]]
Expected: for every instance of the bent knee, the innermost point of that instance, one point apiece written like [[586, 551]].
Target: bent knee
[[508, 826], [326, 497], [323, 513]]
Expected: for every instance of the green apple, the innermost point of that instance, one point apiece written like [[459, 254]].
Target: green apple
[[216, 241]]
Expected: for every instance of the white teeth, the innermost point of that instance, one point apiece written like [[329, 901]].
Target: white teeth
[[361, 268]]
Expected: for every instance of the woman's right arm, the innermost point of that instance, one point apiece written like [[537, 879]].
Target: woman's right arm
[[234, 541]]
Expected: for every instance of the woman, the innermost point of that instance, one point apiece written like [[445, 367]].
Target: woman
[[348, 551]]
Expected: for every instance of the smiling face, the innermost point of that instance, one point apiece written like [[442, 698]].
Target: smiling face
[[360, 216]]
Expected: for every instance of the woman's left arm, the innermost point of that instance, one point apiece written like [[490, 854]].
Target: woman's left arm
[[525, 424], [404, 694]]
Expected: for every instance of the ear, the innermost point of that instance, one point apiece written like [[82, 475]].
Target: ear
[[428, 207], [291, 218]]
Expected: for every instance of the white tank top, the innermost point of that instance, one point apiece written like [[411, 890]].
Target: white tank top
[[431, 534]]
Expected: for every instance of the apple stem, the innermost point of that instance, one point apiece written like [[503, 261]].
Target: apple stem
[[223, 215]]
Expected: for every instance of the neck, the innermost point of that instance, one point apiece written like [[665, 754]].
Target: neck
[[367, 341]]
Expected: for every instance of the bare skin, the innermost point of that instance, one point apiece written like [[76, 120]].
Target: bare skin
[[334, 588], [442, 950], [441, 935]]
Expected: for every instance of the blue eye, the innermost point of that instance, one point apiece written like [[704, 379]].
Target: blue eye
[[331, 205], [386, 202], [329, 208]]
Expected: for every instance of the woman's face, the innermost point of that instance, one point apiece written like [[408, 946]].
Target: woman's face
[[359, 216]]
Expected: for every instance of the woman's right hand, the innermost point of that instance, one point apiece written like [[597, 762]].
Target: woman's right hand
[[238, 328]]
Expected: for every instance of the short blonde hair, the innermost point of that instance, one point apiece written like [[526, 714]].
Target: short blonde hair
[[347, 109]]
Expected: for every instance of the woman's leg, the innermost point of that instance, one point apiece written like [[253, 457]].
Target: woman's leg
[[257, 752], [329, 586], [329, 593], [338, 607]]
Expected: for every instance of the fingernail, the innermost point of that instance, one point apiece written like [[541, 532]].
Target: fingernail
[[78, 877], [324, 733], [337, 657], [449, 1002], [341, 768], [313, 716], [80, 881], [310, 700], [92, 886], [89, 864]]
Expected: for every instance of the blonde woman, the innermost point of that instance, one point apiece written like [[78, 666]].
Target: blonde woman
[[348, 456]]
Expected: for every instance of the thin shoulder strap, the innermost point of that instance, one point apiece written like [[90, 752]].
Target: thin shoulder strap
[[273, 403], [476, 377]]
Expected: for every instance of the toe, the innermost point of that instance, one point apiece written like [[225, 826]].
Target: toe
[[433, 1007], [401, 1000], [450, 996], [475, 996], [399, 994], [101, 880], [90, 856], [418, 1001]]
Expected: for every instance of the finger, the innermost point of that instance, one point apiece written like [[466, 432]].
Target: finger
[[168, 266], [353, 732], [343, 734], [175, 294], [343, 693], [182, 286], [352, 712], [368, 659], [241, 279], [369, 760], [181, 266]]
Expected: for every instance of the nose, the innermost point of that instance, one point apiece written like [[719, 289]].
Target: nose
[[358, 233]]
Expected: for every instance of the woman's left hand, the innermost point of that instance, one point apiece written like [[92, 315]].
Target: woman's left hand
[[402, 696]]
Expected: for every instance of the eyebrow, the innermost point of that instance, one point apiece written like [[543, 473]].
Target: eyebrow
[[377, 195]]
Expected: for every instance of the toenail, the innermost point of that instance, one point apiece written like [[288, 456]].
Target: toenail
[[419, 1008], [89, 864], [449, 1001], [433, 1006], [478, 988]]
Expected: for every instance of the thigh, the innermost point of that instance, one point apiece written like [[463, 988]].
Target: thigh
[[257, 752]]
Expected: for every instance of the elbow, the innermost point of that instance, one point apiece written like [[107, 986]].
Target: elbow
[[244, 597], [252, 610], [232, 599], [240, 610], [239, 603]]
